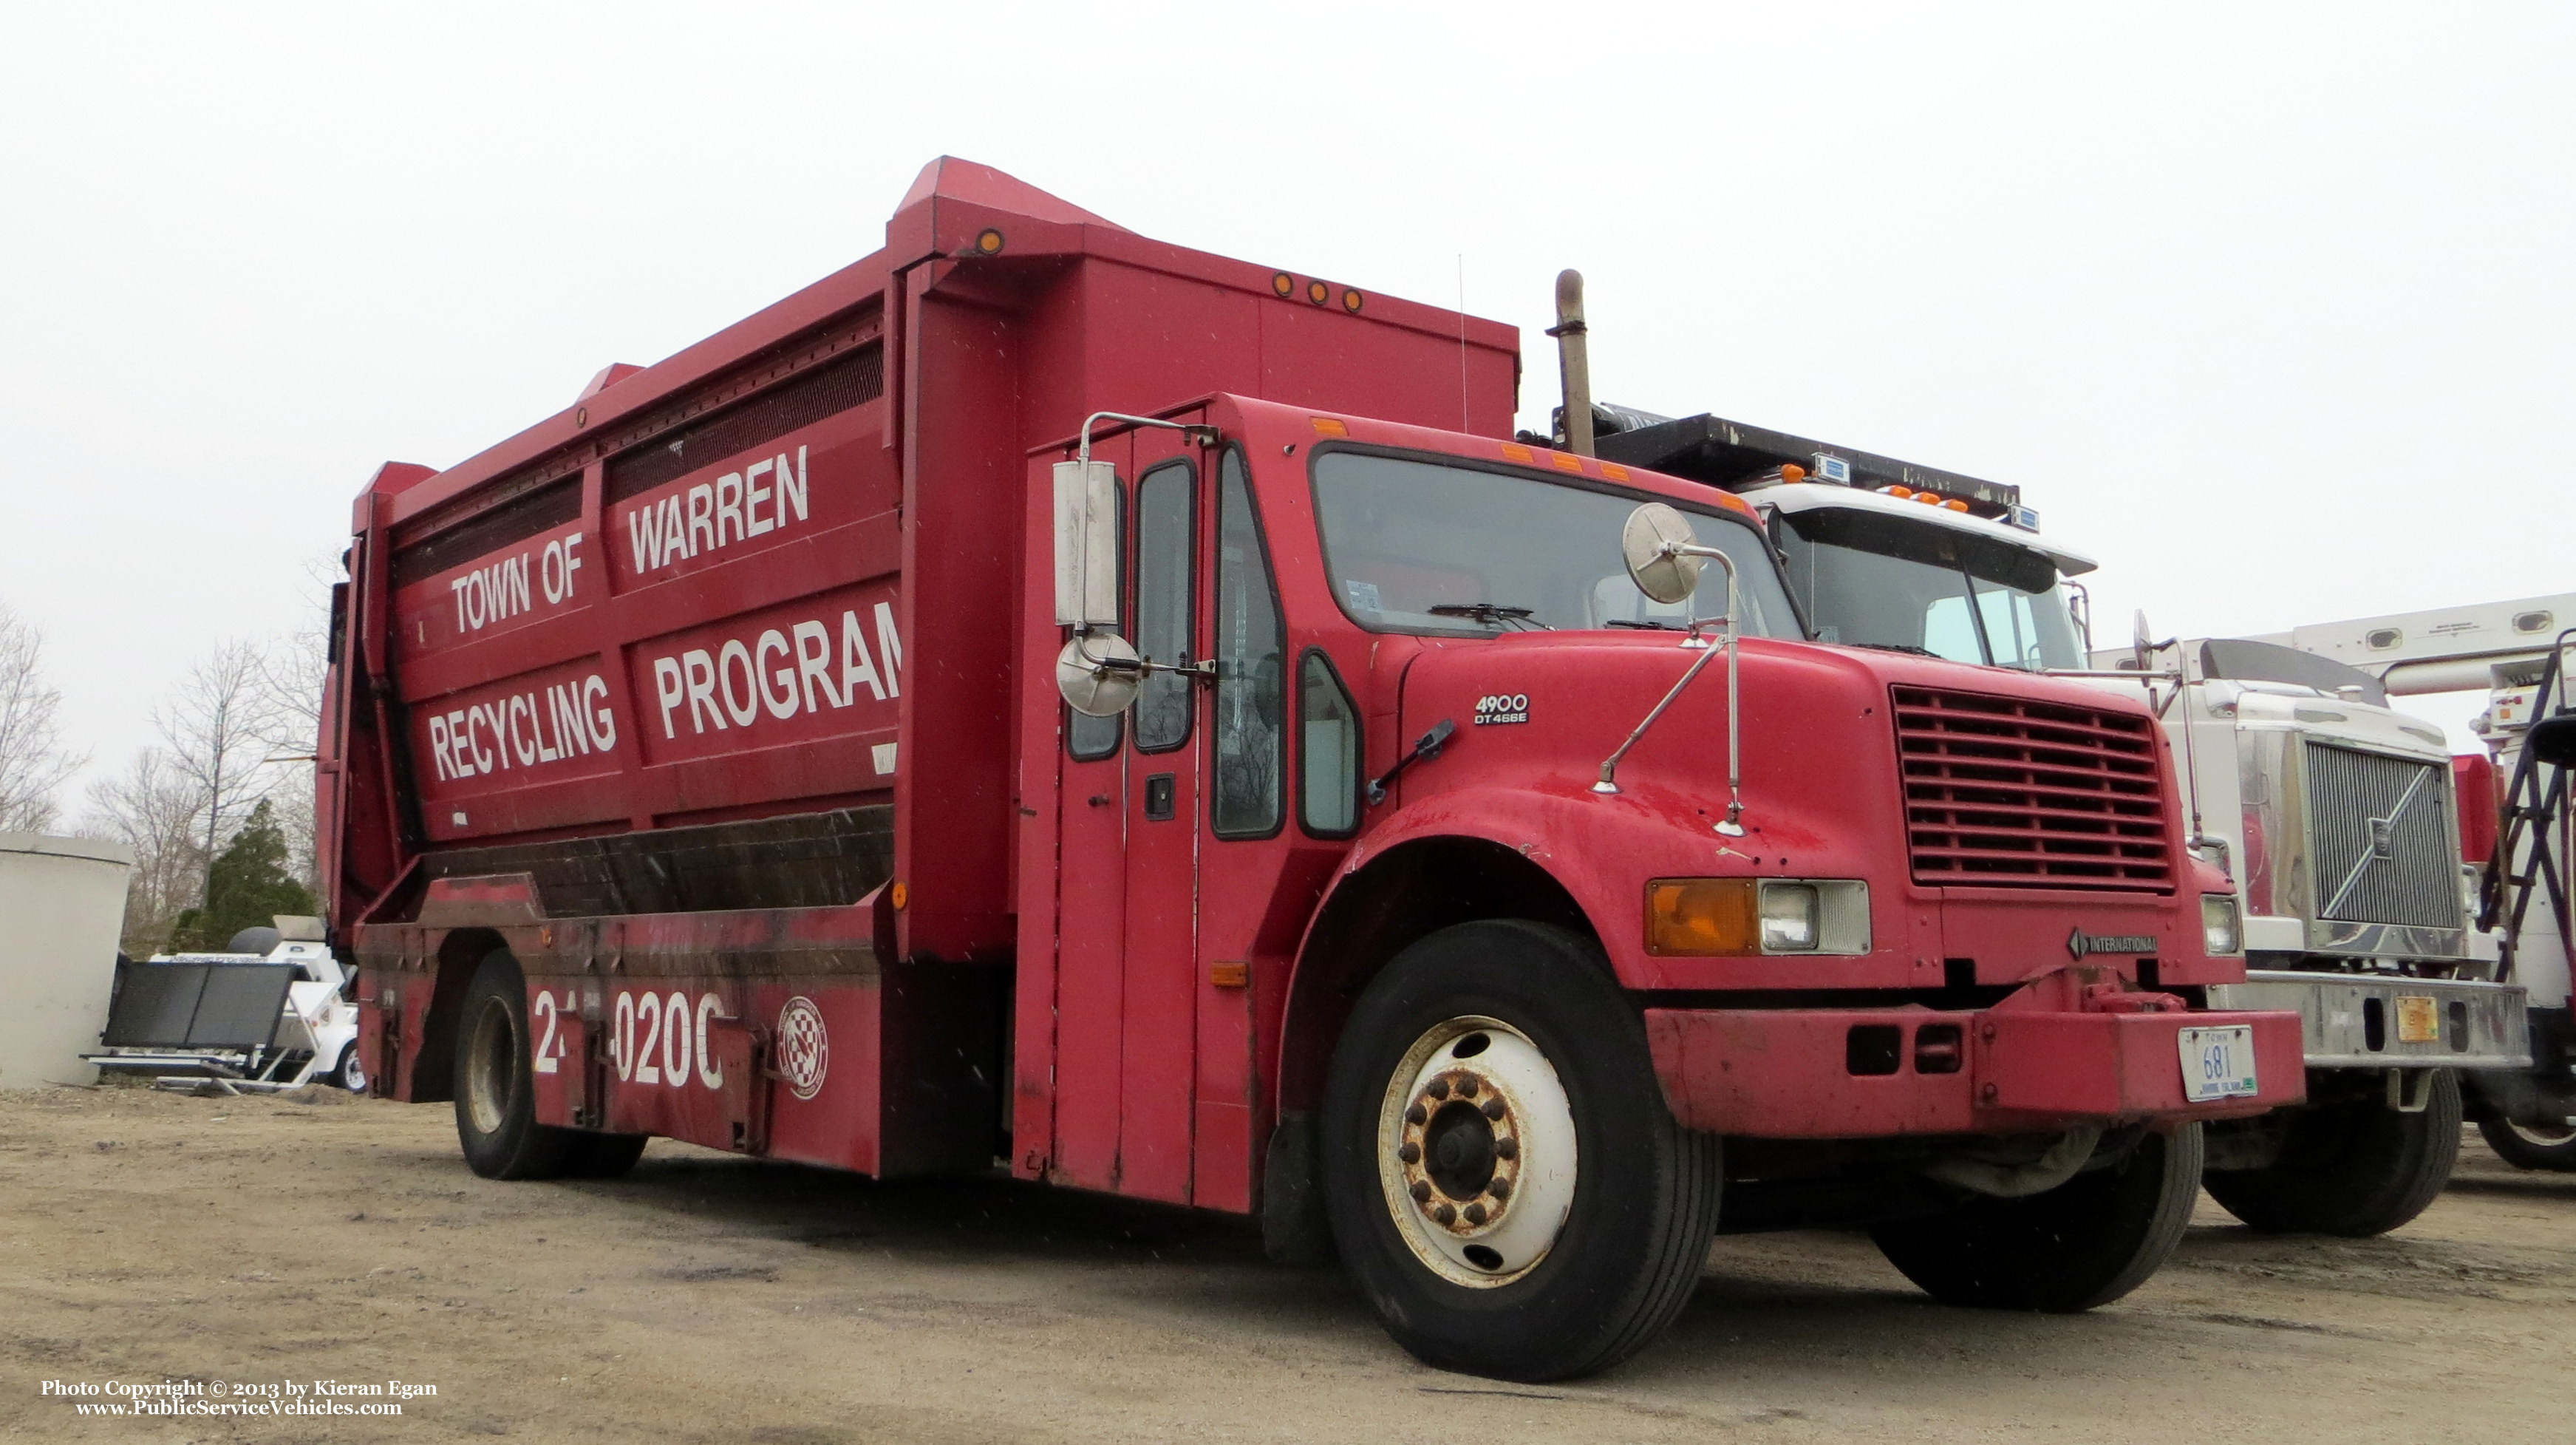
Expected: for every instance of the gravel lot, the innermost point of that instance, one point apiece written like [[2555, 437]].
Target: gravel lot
[[709, 1299]]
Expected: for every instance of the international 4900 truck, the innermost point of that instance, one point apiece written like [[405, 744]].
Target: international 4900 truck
[[1049, 701]]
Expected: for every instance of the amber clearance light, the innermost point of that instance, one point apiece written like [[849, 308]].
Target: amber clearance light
[[1701, 917]]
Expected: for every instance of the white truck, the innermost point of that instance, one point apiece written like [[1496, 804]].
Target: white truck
[[2516, 652], [2333, 812]]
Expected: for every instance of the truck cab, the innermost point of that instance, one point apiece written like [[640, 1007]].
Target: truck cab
[[2332, 813]]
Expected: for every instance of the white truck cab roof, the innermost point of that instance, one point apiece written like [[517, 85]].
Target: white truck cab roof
[[1816, 496]]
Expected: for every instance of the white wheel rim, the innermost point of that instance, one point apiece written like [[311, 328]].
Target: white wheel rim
[[1490, 1135], [2541, 1138], [353, 1072]]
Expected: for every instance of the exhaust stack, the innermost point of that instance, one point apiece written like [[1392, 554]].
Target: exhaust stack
[[1573, 362]]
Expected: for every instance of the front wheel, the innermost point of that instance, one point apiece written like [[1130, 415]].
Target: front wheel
[[2085, 1243], [2525, 1146], [350, 1073], [2356, 1168], [1504, 1179]]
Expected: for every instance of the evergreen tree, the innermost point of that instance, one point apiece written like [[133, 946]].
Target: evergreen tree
[[248, 884]]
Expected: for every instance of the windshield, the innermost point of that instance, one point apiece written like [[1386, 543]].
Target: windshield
[[1419, 546], [1872, 580]]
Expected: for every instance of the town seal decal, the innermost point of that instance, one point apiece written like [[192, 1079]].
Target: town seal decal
[[804, 1047]]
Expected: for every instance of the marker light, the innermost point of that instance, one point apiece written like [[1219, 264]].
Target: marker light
[[1955, 505], [988, 242], [1793, 473], [1927, 499], [1318, 292], [1700, 917], [1899, 493], [1329, 426], [1284, 284], [1351, 302]]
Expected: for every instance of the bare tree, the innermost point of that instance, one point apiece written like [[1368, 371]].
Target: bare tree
[[152, 808], [33, 763], [292, 673], [215, 735]]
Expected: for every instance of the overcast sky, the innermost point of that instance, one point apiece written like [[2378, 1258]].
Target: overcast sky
[[2269, 307]]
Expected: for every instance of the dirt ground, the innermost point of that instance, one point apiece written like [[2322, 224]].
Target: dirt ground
[[711, 1299]]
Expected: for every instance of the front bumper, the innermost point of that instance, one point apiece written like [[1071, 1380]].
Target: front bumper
[[1826, 1073], [2355, 1021]]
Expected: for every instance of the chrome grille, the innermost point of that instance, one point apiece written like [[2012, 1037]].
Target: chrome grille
[[2380, 831], [2015, 792]]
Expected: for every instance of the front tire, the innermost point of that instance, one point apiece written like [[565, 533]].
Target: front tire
[[496, 1121], [2085, 1243], [1504, 1179], [350, 1073], [2525, 1147], [2355, 1169]]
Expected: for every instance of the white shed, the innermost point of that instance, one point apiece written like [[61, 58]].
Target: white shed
[[62, 904]]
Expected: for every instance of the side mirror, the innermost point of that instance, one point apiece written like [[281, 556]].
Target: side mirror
[[2142, 643], [1099, 674], [2553, 740], [1647, 541], [1086, 546]]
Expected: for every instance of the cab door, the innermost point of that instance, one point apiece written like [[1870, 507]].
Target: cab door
[[1127, 869]]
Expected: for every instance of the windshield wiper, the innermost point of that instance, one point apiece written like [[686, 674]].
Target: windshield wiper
[[1489, 613], [1899, 647], [1646, 624]]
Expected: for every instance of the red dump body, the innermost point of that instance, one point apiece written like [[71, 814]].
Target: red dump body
[[724, 700]]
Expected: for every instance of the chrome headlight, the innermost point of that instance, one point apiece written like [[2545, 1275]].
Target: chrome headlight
[[2221, 930]]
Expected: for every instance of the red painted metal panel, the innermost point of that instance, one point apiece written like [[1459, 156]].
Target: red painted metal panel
[[1785, 1074]]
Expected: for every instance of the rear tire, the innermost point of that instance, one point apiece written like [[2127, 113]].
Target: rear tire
[[2085, 1243], [2355, 1169], [2526, 1147], [1580, 1213], [496, 1101]]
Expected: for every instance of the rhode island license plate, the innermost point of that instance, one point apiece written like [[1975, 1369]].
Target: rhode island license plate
[[2217, 1063]]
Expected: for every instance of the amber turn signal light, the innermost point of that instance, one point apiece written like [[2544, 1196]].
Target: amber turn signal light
[[1701, 917]]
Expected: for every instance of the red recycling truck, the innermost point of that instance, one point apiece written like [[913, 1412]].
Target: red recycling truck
[[1048, 700]]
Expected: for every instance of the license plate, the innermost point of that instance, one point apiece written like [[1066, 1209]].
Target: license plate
[[2217, 1063], [2419, 1020]]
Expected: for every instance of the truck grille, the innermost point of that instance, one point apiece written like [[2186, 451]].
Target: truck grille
[[2012, 792], [2382, 838]]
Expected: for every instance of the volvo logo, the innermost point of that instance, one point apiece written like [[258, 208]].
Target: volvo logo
[[2079, 943]]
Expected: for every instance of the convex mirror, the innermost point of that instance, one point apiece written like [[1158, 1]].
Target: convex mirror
[[1663, 575], [1099, 674]]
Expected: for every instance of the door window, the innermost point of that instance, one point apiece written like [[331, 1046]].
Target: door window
[[1250, 660], [1328, 750], [1163, 509]]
